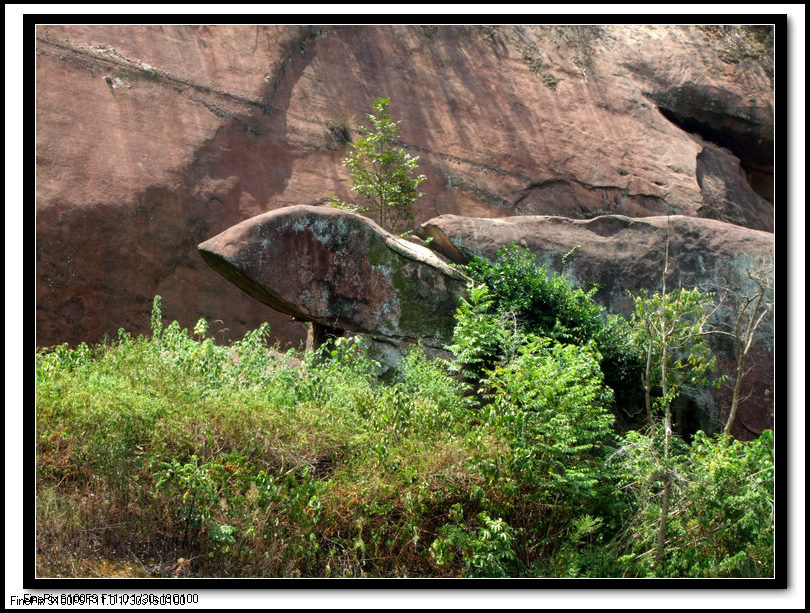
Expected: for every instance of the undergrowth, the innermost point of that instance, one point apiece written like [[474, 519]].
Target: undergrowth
[[503, 460]]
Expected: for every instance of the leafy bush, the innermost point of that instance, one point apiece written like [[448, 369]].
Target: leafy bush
[[546, 403], [551, 404], [523, 297], [481, 337], [423, 400], [722, 522], [546, 305], [486, 549]]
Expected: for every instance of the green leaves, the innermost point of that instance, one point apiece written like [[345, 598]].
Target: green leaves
[[155, 320], [545, 304], [194, 489], [722, 523], [479, 337], [382, 172], [528, 299], [668, 334], [551, 401], [486, 550]]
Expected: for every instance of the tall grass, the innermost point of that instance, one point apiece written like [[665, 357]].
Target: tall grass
[[170, 455], [243, 460]]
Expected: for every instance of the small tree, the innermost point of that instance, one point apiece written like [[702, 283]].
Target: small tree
[[382, 173], [752, 308], [669, 332]]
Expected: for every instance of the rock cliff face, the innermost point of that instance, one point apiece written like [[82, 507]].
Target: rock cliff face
[[151, 139], [624, 255]]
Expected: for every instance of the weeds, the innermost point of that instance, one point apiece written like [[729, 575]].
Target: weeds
[[205, 460]]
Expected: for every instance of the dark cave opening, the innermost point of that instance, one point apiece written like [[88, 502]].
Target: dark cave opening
[[756, 154], [318, 334], [688, 417]]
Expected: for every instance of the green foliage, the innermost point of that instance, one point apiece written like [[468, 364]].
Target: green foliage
[[61, 358], [668, 334], [481, 336], [338, 375], [722, 523], [583, 549], [423, 401], [336, 203], [729, 522], [486, 549], [193, 488], [552, 403], [156, 318], [523, 297], [244, 461], [546, 305], [620, 361], [547, 404], [382, 173]]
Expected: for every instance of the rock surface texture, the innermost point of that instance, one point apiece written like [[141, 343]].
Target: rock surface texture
[[342, 272], [150, 139], [624, 255]]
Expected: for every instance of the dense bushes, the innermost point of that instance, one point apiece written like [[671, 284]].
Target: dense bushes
[[722, 523], [203, 460], [527, 299], [546, 305]]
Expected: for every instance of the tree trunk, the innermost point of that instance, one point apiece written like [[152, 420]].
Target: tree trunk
[[735, 396], [662, 528]]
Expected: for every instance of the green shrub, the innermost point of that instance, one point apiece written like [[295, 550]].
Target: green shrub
[[545, 305], [727, 527], [547, 409], [338, 376], [552, 404], [486, 549], [722, 522], [193, 491], [525, 298], [422, 401], [481, 336]]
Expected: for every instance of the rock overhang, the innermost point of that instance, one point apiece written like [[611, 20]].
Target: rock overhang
[[339, 270]]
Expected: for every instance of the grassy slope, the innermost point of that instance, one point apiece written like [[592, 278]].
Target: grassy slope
[[172, 456]]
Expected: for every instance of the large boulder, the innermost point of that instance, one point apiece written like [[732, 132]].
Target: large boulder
[[342, 272], [150, 139], [623, 255]]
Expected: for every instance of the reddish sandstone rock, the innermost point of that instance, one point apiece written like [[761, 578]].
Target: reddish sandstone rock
[[150, 139], [341, 271], [623, 255]]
